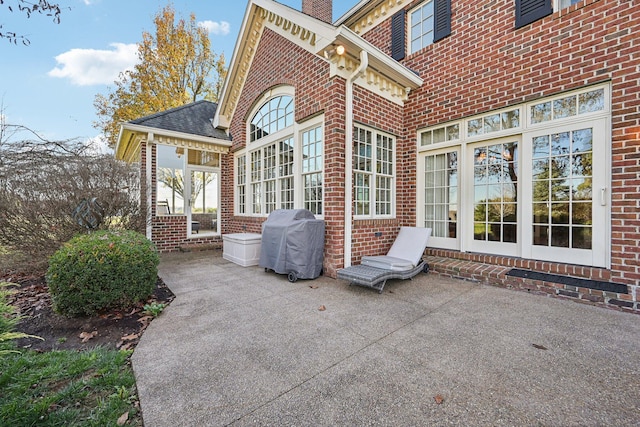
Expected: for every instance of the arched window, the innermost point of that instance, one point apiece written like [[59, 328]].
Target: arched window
[[282, 166], [273, 116]]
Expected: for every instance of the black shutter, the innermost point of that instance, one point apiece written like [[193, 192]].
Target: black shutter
[[528, 11], [398, 41], [442, 17]]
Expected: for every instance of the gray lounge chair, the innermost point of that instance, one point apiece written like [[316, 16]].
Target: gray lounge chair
[[403, 261]]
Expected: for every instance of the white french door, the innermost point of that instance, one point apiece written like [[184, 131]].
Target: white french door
[[530, 181], [493, 183], [567, 194]]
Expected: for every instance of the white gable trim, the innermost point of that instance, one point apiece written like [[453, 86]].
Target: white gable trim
[[384, 76]]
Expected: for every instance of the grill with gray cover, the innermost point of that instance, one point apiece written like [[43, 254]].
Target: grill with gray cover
[[293, 244]]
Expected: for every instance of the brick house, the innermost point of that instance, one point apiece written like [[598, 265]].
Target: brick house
[[509, 127]]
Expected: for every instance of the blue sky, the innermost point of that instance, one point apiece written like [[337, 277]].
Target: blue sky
[[49, 86]]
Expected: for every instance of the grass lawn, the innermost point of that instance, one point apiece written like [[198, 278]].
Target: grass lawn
[[68, 388]]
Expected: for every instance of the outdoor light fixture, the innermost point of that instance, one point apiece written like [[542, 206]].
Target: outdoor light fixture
[[336, 50]]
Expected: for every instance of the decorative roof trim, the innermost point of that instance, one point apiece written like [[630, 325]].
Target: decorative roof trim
[[367, 14], [128, 151], [305, 31], [384, 75], [131, 135]]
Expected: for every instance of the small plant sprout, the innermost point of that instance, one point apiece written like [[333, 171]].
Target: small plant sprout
[[154, 309]]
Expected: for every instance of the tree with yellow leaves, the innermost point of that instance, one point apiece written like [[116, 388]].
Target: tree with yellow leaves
[[176, 66]]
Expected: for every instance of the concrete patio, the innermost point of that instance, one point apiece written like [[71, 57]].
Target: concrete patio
[[239, 346]]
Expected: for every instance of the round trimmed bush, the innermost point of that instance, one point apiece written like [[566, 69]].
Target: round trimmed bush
[[102, 270]]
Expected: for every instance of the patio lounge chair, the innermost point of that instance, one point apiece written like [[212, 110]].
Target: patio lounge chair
[[403, 261]]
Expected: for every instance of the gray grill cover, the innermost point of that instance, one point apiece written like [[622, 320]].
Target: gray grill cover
[[293, 241]]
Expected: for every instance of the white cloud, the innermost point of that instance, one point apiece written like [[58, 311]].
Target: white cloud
[[221, 28], [86, 67], [98, 145]]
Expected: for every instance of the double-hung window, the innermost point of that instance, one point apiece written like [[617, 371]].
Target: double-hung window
[[373, 173], [312, 165], [561, 4], [427, 23], [421, 26]]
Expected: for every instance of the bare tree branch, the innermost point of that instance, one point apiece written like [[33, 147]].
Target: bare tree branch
[[43, 181], [28, 8]]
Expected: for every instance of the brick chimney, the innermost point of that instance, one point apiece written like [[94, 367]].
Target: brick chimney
[[319, 9]]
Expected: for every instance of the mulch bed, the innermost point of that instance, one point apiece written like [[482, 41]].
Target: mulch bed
[[113, 329]]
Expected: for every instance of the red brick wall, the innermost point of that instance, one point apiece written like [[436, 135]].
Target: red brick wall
[[315, 93], [334, 189], [168, 232], [375, 236], [486, 64], [320, 9]]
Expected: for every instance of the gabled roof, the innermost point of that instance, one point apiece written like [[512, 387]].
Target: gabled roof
[[383, 75], [195, 119]]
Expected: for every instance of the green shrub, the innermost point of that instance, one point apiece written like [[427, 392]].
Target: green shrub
[[102, 270]]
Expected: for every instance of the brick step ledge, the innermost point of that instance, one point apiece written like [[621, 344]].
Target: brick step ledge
[[498, 275]]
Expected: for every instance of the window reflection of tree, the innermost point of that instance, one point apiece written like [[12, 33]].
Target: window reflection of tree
[[173, 179], [496, 181], [562, 189]]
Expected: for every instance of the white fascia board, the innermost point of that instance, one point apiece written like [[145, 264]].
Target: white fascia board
[[173, 134], [324, 31], [325, 34], [350, 12], [232, 64], [378, 59], [119, 142]]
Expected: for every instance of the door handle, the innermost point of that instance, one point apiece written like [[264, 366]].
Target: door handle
[[603, 192]]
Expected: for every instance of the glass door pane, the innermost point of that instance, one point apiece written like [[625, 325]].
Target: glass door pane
[[204, 202], [170, 180], [562, 178], [567, 192], [495, 181], [441, 194]]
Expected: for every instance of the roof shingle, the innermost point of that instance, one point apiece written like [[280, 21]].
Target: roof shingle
[[195, 119]]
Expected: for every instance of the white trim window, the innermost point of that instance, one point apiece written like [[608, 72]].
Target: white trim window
[[273, 116], [170, 178], [373, 173], [312, 166], [282, 166], [421, 26], [522, 181], [241, 184], [440, 195]]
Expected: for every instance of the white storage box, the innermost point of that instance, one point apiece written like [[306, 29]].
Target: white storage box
[[242, 248]]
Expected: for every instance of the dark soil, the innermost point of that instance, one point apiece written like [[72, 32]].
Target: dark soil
[[113, 329]]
